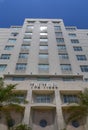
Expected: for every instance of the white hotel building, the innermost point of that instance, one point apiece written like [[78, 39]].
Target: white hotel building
[[49, 62]]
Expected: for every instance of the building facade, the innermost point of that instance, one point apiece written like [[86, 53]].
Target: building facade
[[49, 62]]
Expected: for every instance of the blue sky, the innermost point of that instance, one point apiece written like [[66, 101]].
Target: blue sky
[[73, 12]]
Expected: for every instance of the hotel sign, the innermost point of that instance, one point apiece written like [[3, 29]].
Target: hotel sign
[[43, 85]]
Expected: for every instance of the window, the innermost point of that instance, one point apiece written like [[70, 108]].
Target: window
[[75, 123], [18, 78], [14, 34], [72, 34], [28, 33], [58, 34], [84, 68], [43, 79], [42, 98], [24, 46], [70, 99], [81, 57], [43, 22], [20, 97], [65, 67], [68, 79], [44, 67], [43, 29], [61, 47], [30, 22], [43, 39], [2, 67], [86, 79], [30, 27], [74, 41], [57, 28], [12, 40], [60, 40], [23, 55], [5, 56], [71, 28], [43, 34], [8, 47], [43, 123], [16, 27], [63, 56], [43, 47], [21, 66], [27, 39], [43, 56], [77, 48], [56, 22]]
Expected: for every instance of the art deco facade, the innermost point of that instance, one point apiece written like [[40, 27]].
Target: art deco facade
[[49, 62]]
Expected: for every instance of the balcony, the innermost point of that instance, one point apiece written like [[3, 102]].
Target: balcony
[[43, 99]]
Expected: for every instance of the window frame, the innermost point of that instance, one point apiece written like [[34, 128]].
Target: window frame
[[23, 55], [74, 41], [21, 66], [66, 67], [84, 68], [81, 57], [8, 47], [5, 56], [77, 48], [2, 67], [43, 67]]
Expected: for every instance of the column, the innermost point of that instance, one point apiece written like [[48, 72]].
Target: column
[[59, 114], [27, 108]]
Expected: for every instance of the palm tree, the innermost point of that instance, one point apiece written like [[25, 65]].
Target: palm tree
[[80, 110], [7, 96], [22, 127], [63, 129], [6, 93]]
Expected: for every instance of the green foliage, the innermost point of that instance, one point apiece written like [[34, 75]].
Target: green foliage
[[81, 110], [1, 82], [84, 98], [22, 127], [6, 92], [63, 129], [12, 107], [16, 96], [7, 96]]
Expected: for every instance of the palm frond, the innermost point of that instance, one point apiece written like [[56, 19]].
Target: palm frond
[[22, 127], [12, 107], [80, 111]]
